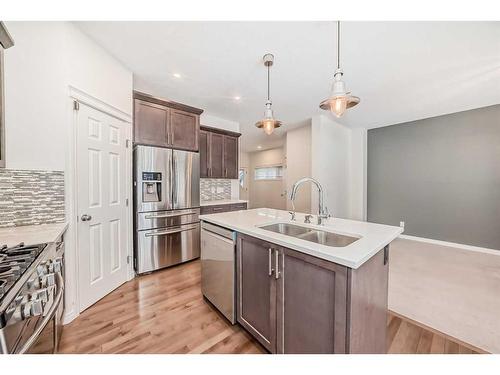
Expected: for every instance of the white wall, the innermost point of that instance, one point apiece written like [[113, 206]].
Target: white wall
[[331, 163], [94, 71], [299, 165], [217, 122], [35, 93], [46, 59], [358, 175]]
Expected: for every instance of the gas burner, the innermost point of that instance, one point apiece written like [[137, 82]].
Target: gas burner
[[14, 261]]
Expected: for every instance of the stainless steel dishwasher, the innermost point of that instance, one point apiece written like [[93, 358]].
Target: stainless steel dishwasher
[[218, 268]]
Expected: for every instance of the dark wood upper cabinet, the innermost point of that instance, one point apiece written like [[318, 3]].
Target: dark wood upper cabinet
[[150, 124], [230, 157], [164, 123], [216, 155], [204, 156], [184, 130], [219, 156]]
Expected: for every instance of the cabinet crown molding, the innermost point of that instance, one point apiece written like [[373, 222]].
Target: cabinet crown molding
[[167, 103]]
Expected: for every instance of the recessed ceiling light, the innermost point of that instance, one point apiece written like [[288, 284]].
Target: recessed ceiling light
[[259, 147], [237, 98], [177, 75]]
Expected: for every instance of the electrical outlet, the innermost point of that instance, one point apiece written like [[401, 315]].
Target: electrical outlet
[[402, 224]]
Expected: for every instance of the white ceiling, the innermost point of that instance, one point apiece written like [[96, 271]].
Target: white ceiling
[[402, 71]]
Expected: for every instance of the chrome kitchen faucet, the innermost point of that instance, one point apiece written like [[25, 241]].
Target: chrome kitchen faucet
[[322, 211]]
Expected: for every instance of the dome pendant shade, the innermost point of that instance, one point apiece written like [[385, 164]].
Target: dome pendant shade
[[268, 123], [340, 99]]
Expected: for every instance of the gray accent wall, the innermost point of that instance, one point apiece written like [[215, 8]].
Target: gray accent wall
[[441, 176], [30, 197]]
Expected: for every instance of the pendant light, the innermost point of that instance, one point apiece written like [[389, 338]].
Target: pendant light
[[340, 100], [268, 123]]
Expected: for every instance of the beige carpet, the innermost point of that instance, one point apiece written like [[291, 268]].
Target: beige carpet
[[454, 291]]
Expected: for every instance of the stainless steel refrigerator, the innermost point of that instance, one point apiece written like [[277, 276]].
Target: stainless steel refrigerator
[[167, 207]]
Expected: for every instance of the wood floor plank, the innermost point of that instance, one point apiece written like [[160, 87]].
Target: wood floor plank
[[165, 312]]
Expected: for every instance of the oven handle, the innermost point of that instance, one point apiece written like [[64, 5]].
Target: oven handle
[[172, 231], [47, 318]]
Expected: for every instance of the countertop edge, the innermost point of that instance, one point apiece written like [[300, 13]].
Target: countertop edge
[[320, 255], [29, 234]]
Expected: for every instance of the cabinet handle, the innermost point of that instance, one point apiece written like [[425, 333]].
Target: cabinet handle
[[276, 260], [225, 172], [270, 261]]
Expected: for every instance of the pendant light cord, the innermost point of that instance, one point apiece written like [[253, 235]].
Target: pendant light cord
[[268, 84], [338, 44]]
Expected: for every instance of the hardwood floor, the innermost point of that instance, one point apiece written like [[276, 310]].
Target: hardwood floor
[[165, 312]]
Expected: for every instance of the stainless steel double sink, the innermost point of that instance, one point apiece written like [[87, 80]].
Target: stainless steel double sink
[[310, 234]]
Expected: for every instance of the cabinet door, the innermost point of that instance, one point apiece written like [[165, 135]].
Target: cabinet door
[[256, 290], [216, 148], [230, 157], [150, 123], [204, 154], [184, 130], [312, 301]]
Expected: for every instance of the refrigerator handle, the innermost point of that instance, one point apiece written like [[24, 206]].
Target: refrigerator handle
[[174, 181]]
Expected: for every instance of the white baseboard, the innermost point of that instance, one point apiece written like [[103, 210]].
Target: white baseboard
[[69, 317], [451, 244]]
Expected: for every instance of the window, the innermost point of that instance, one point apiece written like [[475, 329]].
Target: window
[[269, 173]]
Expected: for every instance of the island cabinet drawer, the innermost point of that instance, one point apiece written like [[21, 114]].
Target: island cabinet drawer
[[238, 206], [296, 303], [215, 209]]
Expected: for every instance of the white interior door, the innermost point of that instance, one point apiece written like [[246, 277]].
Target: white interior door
[[102, 211]]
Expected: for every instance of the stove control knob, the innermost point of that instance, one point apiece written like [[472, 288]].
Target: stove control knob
[[47, 280], [41, 295], [36, 308], [50, 266], [57, 265], [41, 269], [18, 300], [51, 279], [33, 283]]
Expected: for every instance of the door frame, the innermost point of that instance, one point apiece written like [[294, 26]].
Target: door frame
[[72, 300]]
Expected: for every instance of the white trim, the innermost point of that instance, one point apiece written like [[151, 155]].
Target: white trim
[[451, 244], [98, 104]]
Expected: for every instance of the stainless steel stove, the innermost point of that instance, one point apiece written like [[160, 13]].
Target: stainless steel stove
[[31, 297]]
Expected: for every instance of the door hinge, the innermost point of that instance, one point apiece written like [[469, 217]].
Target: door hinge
[[76, 105], [126, 202], [129, 258], [127, 143]]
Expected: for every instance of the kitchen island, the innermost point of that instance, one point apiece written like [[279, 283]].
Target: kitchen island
[[306, 288]]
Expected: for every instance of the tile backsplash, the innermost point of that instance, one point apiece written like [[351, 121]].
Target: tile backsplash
[[212, 189], [30, 197]]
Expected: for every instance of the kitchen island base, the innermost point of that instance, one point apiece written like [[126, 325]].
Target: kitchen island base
[[292, 302]]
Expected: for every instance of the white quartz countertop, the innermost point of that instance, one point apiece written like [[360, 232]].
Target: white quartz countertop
[[31, 234], [221, 201], [373, 237]]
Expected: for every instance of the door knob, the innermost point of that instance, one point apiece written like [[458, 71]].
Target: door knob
[[86, 217]]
